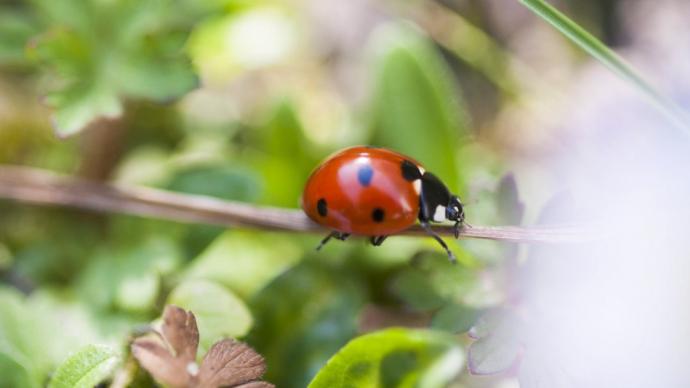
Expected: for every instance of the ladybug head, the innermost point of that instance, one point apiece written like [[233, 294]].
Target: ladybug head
[[454, 210]]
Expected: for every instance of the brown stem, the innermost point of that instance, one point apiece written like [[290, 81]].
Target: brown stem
[[43, 187]]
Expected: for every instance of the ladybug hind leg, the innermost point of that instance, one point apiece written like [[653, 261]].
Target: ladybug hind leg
[[377, 240], [337, 235]]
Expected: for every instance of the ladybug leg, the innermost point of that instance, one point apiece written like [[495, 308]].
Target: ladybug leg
[[457, 228], [377, 240], [430, 232], [337, 235]]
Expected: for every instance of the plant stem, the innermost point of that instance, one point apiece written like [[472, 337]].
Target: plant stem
[[41, 187]]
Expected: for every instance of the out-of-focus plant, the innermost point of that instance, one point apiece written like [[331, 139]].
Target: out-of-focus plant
[[252, 133]]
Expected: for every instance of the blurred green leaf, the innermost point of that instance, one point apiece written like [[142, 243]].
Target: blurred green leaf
[[219, 313], [100, 53], [19, 343], [608, 58], [245, 261], [394, 358], [432, 281], [416, 109], [16, 375], [129, 278], [454, 318], [287, 159], [85, 369], [16, 28], [226, 182], [302, 318]]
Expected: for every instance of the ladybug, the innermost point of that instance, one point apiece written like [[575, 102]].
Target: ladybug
[[375, 192]]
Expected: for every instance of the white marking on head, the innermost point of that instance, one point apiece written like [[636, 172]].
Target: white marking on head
[[421, 170], [439, 213]]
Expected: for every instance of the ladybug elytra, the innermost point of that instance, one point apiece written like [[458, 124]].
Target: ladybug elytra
[[375, 192]]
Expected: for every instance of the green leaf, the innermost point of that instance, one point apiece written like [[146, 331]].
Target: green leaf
[[245, 261], [431, 281], [85, 369], [21, 339], [302, 318], [13, 374], [416, 110], [219, 313], [80, 105], [287, 159], [608, 58], [454, 318], [394, 358], [129, 278], [16, 28], [221, 181], [96, 54]]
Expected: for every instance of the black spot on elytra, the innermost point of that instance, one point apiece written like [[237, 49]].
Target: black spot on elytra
[[322, 207], [410, 171], [365, 174], [378, 214]]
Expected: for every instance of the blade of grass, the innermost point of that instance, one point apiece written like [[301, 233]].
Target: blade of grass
[[608, 58]]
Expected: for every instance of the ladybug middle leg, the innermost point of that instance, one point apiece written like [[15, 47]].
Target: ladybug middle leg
[[430, 232], [377, 240], [337, 235]]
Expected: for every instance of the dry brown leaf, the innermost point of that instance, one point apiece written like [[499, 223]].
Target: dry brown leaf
[[180, 331], [170, 359], [230, 363], [163, 366]]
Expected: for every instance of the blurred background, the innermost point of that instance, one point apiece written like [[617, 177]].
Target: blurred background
[[240, 100]]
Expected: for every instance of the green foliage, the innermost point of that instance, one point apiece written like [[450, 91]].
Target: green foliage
[[454, 318], [128, 278], [253, 137], [101, 52], [302, 318], [220, 314], [245, 261], [85, 369], [416, 110], [393, 358], [431, 281]]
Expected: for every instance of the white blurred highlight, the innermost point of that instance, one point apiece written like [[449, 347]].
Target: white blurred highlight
[[616, 313]]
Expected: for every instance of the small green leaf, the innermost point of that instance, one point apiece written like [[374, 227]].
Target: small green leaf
[[608, 58], [245, 261], [20, 337], [302, 318], [80, 105], [454, 318], [219, 313], [394, 358], [431, 281], [416, 110], [14, 374], [85, 369], [16, 28]]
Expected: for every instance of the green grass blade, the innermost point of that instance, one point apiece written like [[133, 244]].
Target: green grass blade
[[608, 57]]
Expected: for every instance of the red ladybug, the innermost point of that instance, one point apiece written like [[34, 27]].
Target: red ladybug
[[376, 192]]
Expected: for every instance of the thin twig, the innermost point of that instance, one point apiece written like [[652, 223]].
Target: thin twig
[[34, 186]]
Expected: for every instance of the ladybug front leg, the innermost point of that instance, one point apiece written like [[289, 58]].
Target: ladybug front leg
[[433, 234], [377, 240], [337, 235]]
